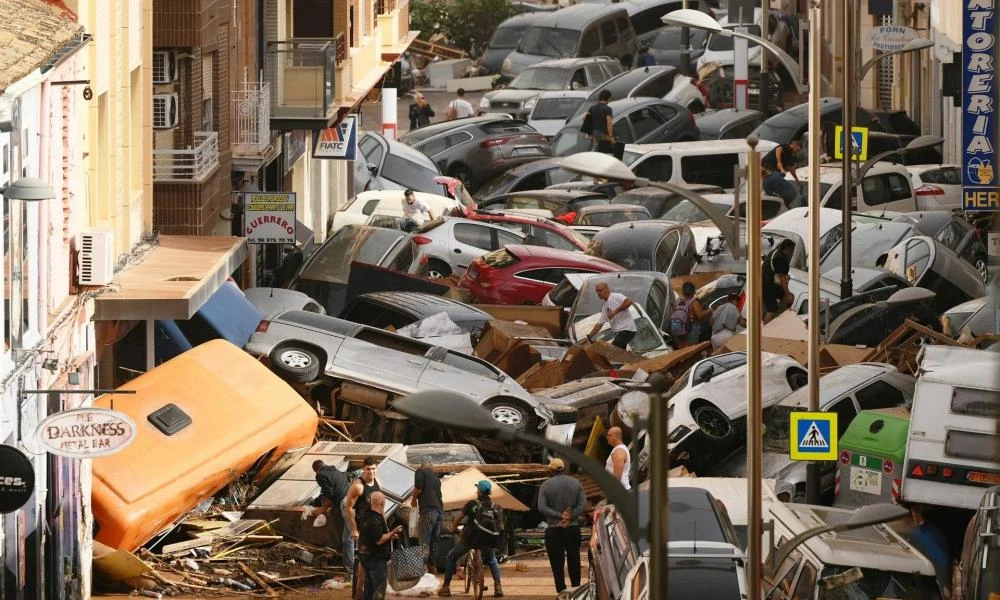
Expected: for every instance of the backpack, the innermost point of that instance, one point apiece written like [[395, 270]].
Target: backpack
[[679, 318], [485, 524], [587, 128]]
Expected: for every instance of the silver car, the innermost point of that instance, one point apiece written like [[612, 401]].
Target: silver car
[[449, 244], [304, 346]]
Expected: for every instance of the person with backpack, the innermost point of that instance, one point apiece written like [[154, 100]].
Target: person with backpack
[[483, 527], [687, 317], [561, 500], [615, 312]]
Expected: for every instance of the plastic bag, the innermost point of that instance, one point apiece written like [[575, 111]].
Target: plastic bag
[[320, 520], [425, 586], [414, 525]]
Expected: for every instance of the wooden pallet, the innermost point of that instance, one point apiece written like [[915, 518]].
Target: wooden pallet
[[429, 50]]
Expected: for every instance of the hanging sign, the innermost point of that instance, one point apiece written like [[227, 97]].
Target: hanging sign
[[269, 217], [86, 432]]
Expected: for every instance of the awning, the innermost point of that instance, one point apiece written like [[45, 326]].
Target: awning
[[173, 280]]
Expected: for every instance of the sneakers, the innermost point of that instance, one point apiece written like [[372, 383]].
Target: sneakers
[[497, 590], [444, 591]]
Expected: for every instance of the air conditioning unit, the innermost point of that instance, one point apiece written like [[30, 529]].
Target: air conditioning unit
[[164, 67], [165, 111], [96, 259]]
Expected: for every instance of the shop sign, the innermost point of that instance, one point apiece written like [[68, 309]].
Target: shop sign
[[86, 432], [891, 38], [269, 217], [979, 106], [339, 142], [17, 479]]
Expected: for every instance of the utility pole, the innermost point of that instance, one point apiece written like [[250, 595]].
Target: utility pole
[[765, 83], [755, 419], [850, 101], [815, 139]]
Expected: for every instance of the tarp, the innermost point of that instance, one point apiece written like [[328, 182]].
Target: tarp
[[459, 489]]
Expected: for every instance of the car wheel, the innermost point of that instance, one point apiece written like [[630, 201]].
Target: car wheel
[[713, 422], [295, 363], [511, 413], [464, 175], [796, 378], [438, 268]]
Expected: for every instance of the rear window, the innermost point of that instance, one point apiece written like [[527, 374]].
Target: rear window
[[556, 108], [977, 403], [946, 175], [499, 127], [410, 174], [499, 259], [975, 446]]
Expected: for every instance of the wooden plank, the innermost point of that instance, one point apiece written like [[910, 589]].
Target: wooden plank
[[257, 579]]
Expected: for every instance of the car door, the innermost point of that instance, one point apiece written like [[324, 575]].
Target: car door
[[594, 75], [647, 125], [401, 361], [373, 151], [450, 370], [469, 241]]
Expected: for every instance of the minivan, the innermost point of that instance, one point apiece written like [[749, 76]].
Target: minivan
[[506, 37], [580, 30], [709, 162]]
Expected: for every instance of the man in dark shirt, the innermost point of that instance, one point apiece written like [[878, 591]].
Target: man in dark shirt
[[776, 296], [470, 540], [375, 547], [561, 501], [333, 483], [780, 160], [602, 129], [427, 492]]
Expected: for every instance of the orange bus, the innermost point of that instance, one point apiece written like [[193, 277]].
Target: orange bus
[[203, 419]]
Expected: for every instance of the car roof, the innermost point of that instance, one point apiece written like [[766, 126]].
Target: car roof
[[929, 222], [919, 169], [429, 131], [625, 105], [633, 77], [955, 364], [568, 63], [641, 233], [796, 220], [427, 305], [557, 194], [524, 19], [705, 188], [703, 146], [558, 255], [837, 383], [599, 208], [535, 165], [400, 149], [578, 14], [563, 94]]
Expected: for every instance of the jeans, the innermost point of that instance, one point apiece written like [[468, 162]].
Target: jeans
[[376, 576], [563, 544], [622, 338], [489, 557], [346, 540], [775, 184], [430, 531]]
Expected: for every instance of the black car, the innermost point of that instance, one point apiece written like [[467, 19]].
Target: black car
[[399, 309], [880, 141], [647, 246], [536, 175], [666, 47], [871, 323], [635, 121], [658, 201], [789, 125], [728, 123]]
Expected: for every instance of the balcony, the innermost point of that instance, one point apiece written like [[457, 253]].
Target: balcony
[[252, 131], [394, 28], [301, 75], [192, 165]]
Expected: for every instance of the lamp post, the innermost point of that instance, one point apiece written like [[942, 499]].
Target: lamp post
[[700, 20], [852, 82], [866, 516], [814, 198]]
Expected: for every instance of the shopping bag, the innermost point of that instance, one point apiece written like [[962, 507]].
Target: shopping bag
[[406, 565]]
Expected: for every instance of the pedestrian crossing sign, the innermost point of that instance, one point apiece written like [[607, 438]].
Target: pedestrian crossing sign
[[858, 141], [813, 436]]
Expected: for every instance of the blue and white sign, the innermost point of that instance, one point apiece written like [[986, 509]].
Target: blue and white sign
[[979, 105], [812, 436]]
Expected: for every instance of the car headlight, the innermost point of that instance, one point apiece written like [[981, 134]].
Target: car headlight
[[484, 102], [678, 434], [530, 104]]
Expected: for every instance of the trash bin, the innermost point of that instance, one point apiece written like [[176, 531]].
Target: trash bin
[[870, 464]]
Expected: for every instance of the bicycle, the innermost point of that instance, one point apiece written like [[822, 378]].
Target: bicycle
[[474, 574]]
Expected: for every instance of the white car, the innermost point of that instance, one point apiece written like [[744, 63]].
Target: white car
[[450, 244], [937, 187], [367, 206], [885, 187]]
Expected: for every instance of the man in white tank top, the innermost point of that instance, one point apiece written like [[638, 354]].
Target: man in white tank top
[[619, 461]]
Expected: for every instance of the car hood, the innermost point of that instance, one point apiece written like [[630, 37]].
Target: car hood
[[517, 62], [511, 95]]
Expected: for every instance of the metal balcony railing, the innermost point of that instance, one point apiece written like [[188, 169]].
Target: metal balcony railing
[[252, 107], [301, 72], [191, 165]]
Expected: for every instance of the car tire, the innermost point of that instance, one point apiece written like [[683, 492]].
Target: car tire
[[438, 268], [511, 413], [713, 422], [797, 378], [295, 363]]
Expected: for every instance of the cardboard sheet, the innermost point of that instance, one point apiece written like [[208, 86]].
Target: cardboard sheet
[[459, 489]]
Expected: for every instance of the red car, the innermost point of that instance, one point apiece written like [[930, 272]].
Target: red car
[[540, 231], [518, 274]]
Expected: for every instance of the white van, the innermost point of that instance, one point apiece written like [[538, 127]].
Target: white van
[[886, 187], [953, 452], [708, 162], [870, 562]]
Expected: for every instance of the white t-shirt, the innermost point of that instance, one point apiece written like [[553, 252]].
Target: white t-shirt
[[462, 108], [610, 466], [417, 211], [623, 321]]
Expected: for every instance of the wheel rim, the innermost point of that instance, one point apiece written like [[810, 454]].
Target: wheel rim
[[713, 423], [295, 359], [507, 415], [984, 270]]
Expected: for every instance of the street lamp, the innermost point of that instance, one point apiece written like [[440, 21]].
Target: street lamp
[[910, 46], [866, 516], [700, 20], [28, 189], [605, 166]]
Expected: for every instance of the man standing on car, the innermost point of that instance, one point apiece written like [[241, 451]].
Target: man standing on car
[[776, 163], [459, 108], [415, 213], [601, 127], [333, 483], [376, 547], [561, 501], [427, 492], [776, 296], [616, 313]]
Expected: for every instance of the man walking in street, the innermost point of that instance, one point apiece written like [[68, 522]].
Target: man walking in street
[[333, 483], [415, 213], [459, 108], [376, 547], [601, 126], [776, 163], [561, 501], [482, 530], [420, 112], [615, 312], [427, 493], [619, 461], [776, 296]]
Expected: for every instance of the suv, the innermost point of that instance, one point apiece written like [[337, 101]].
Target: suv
[[304, 347], [519, 97]]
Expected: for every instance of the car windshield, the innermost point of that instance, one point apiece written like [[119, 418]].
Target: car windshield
[[497, 184], [332, 262], [646, 339], [607, 218], [687, 212], [777, 427], [724, 43], [570, 141], [410, 174], [556, 108], [549, 41], [507, 37], [783, 127], [588, 303], [540, 78]]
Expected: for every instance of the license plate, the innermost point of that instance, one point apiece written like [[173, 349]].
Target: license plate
[[526, 151], [868, 481]]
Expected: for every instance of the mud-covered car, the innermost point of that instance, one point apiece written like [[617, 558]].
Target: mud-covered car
[[374, 366]]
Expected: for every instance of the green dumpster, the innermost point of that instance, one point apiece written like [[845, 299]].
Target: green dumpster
[[870, 462]]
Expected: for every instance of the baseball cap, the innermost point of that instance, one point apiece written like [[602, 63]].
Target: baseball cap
[[484, 487], [556, 464]]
